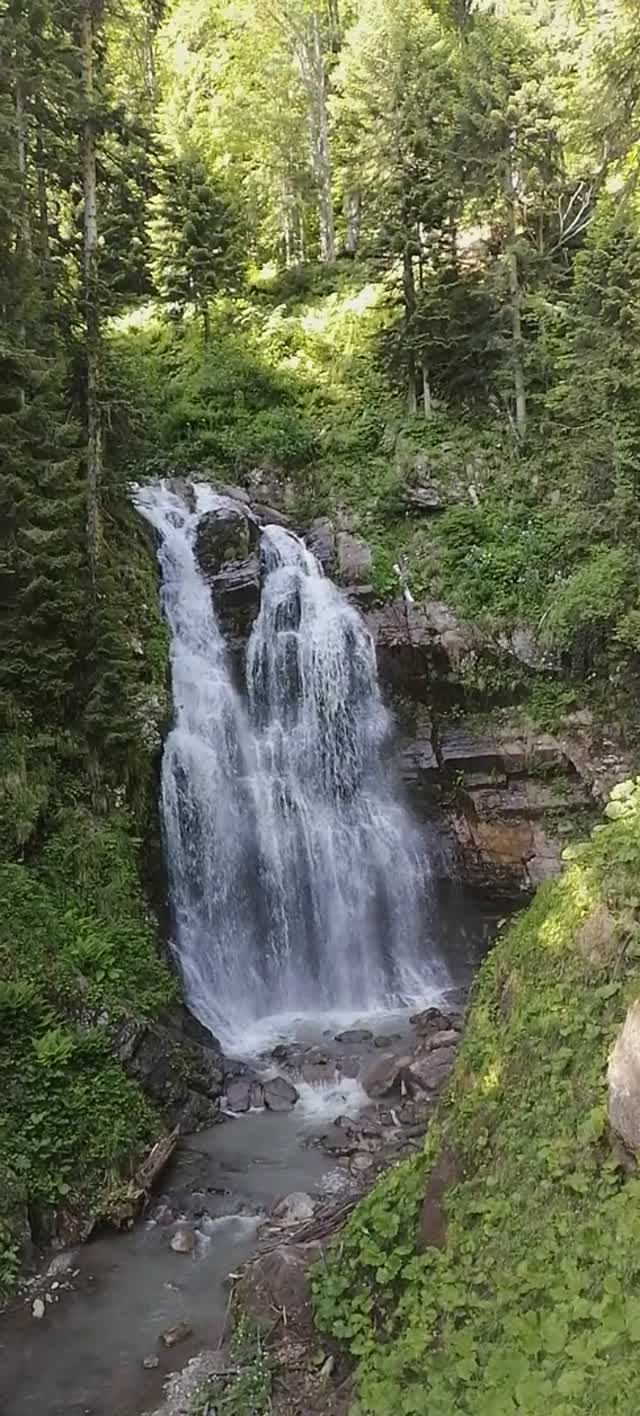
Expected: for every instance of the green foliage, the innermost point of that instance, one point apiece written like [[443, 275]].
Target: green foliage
[[77, 947], [250, 1390], [532, 1301]]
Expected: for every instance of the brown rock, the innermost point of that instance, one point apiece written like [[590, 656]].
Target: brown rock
[[386, 1075], [277, 1280], [431, 1070], [433, 1225], [183, 1241], [173, 1335]]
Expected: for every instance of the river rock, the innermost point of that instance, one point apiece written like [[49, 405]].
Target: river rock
[[150, 1363], [386, 1075], [238, 1096], [279, 1094], [296, 1208], [354, 557], [38, 1308], [361, 1163], [183, 1241], [173, 1335], [430, 1070], [355, 1035]]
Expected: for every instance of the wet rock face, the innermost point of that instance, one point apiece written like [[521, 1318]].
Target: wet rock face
[[180, 1073], [227, 534]]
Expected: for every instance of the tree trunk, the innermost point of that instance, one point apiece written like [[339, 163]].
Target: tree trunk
[[24, 235], [426, 391], [43, 209], [515, 299], [311, 63], [352, 208], [206, 323], [92, 312], [409, 292]]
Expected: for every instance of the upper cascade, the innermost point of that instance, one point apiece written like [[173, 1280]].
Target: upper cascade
[[299, 882]]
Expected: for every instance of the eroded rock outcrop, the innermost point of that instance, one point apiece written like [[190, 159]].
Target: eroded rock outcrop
[[179, 1069]]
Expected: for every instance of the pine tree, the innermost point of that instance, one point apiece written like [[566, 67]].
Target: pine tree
[[195, 237]]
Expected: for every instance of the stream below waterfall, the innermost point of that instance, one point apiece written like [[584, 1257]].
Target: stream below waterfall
[[114, 1297], [302, 901]]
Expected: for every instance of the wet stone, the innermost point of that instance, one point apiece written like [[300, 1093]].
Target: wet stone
[[279, 1094], [183, 1241], [173, 1335], [150, 1363], [354, 1035]]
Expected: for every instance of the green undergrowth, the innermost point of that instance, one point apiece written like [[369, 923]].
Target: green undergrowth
[[534, 1303], [78, 950], [248, 1391]]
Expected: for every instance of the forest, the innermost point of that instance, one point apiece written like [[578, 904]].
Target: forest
[[355, 243]]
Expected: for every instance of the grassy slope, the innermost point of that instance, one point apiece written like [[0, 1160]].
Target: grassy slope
[[534, 1304]]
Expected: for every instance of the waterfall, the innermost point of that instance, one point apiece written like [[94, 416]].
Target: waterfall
[[299, 882]]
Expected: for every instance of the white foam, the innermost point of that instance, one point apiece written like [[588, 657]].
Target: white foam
[[325, 1100]]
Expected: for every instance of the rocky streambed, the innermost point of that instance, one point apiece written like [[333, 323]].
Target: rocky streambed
[[306, 1128]]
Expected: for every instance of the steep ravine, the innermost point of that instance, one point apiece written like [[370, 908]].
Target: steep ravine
[[498, 801]]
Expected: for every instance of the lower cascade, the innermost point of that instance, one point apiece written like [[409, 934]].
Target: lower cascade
[[299, 881]]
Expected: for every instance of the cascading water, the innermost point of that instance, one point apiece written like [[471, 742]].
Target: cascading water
[[298, 880]]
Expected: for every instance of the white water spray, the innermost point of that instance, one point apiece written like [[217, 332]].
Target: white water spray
[[298, 880]]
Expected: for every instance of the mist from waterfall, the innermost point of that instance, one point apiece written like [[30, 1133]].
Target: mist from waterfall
[[298, 880]]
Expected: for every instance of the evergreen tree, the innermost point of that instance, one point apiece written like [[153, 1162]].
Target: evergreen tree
[[195, 237]]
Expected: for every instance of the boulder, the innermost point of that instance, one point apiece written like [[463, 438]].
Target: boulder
[[624, 1081], [355, 1035], [296, 1208], [386, 1075], [279, 1094], [354, 557], [238, 1095], [430, 1070], [225, 534], [278, 1280], [321, 541]]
